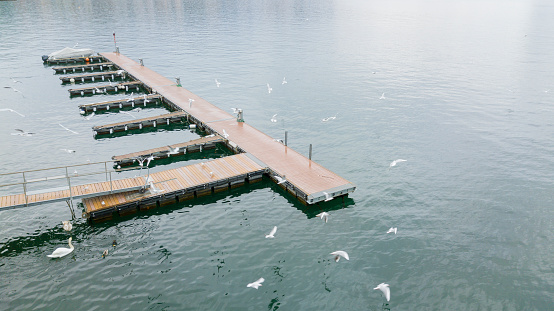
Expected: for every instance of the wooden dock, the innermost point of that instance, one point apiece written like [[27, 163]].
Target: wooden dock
[[71, 193], [306, 179], [154, 121], [195, 145], [179, 184], [107, 88], [92, 77], [83, 67], [121, 103]]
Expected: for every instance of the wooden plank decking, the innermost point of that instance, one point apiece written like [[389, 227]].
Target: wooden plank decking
[[77, 192], [302, 174], [149, 121], [187, 181]]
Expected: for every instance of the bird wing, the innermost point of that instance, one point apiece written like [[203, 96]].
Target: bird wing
[[60, 252], [386, 291], [342, 254], [273, 230]]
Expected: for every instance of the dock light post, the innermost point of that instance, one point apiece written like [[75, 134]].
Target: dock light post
[[141, 62], [310, 152], [178, 79], [286, 137], [239, 116]]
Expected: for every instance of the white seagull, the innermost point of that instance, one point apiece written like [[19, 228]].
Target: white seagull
[[269, 89], [392, 230], [339, 254], [173, 151], [323, 215], [393, 163], [67, 129], [8, 109], [130, 98], [329, 118], [225, 135], [68, 150], [273, 119], [385, 289], [150, 158], [284, 81], [140, 161], [62, 251], [272, 233], [382, 96], [145, 100], [22, 133], [280, 180], [256, 284], [67, 226], [217, 83], [89, 116]]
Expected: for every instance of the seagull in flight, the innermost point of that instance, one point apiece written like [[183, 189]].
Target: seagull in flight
[[217, 83], [323, 215], [272, 233], [150, 158], [173, 151], [130, 98], [382, 96], [67, 129], [393, 163], [273, 119], [8, 109], [22, 133], [284, 81], [385, 289], [256, 284], [140, 161], [329, 118], [15, 81], [89, 116], [392, 230], [339, 254], [269, 89]]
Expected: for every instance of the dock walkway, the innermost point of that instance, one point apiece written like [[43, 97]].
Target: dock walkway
[[306, 179]]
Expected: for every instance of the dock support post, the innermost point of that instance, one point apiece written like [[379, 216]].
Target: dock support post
[[141, 62], [310, 152], [178, 81], [70, 194], [25, 189], [286, 137]]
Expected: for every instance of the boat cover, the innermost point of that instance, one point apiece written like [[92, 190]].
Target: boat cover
[[70, 52]]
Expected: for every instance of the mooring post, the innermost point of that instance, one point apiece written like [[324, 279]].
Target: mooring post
[[141, 62], [106, 169], [178, 81], [25, 189], [70, 192], [111, 188], [286, 137], [310, 152]]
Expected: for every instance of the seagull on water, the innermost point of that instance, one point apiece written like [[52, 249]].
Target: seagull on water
[[68, 150], [256, 284], [8, 109], [269, 89], [62, 251], [329, 118], [273, 119], [284, 81], [392, 230], [385, 289], [272, 233], [105, 253], [67, 129], [382, 96], [393, 163], [280, 179], [67, 226], [22, 133], [323, 215], [217, 83], [339, 254]]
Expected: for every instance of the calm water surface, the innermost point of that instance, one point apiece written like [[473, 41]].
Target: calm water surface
[[468, 101]]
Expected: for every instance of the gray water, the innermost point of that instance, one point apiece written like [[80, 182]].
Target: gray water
[[468, 102]]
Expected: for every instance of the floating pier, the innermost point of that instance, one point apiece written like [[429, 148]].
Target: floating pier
[[176, 185], [92, 77], [140, 123], [75, 60], [196, 145], [142, 101], [107, 88], [83, 68]]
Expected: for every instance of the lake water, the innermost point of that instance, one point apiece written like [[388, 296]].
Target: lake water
[[467, 92]]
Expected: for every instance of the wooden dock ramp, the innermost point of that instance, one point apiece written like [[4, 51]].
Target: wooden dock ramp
[[140, 123], [143, 101]]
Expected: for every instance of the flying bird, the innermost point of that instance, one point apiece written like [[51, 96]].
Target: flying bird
[[130, 98], [269, 89], [140, 161], [280, 180], [382, 96], [67, 226], [256, 284], [8, 109], [23, 133], [385, 289], [272, 233], [329, 118], [217, 83], [173, 151], [89, 116], [150, 158], [323, 215], [339, 254], [393, 163], [273, 119], [284, 81], [62, 251], [225, 135], [392, 230], [67, 129]]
